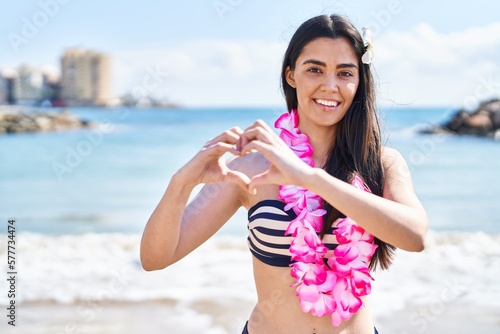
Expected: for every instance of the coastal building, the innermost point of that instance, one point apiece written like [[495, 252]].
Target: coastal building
[[28, 85], [85, 77], [52, 88], [10, 89], [4, 90]]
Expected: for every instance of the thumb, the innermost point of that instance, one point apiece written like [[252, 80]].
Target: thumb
[[239, 178], [259, 180]]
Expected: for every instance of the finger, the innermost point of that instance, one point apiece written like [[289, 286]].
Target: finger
[[236, 130], [259, 124], [260, 180], [230, 136], [219, 148], [255, 134], [258, 146], [258, 130], [238, 178]]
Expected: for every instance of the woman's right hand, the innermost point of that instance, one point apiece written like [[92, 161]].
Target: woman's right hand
[[209, 165]]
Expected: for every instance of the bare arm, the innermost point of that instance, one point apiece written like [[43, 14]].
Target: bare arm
[[174, 229], [397, 218]]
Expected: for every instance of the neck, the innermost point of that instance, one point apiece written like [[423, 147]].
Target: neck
[[321, 140]]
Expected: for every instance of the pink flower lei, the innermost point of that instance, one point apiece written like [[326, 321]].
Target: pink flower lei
[[335, 287]]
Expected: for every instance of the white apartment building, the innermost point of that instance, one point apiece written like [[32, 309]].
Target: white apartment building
[[85, 77]]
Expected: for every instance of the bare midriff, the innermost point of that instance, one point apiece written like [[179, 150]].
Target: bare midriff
[[278, 310]]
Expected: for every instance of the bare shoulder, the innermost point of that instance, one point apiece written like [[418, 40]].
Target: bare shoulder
[[394, 164], [397, 175], [398, 184], [391, 157]]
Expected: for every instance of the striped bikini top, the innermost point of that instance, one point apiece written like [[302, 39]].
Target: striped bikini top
[[267, 223]]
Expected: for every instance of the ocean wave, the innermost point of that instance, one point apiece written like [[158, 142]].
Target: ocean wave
[[454, 267], [96, 268]]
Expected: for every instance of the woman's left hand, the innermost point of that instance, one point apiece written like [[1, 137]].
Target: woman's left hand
[[286, 166]]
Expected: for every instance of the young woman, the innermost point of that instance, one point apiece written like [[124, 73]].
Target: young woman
[[326, 202]]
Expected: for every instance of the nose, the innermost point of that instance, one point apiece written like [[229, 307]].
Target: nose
[[330, 83]]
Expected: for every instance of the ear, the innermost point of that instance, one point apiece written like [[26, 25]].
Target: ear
[[289, 75]]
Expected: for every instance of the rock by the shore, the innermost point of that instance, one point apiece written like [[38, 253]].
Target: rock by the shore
[[484, 122], [14, 121]]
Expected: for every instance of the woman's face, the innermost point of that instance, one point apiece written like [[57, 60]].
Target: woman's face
[[326, 77]]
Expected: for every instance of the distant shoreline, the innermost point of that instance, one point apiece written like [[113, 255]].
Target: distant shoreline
[[22, 120]]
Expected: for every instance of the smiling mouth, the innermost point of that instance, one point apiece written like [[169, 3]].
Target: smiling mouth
[[327, 103]]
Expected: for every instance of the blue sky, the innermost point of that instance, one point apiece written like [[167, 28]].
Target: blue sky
[[228, 52]]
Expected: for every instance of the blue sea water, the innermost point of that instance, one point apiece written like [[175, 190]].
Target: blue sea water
[[110, 179]]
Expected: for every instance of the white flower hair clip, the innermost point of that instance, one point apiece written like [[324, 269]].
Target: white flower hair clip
[[368, 43]]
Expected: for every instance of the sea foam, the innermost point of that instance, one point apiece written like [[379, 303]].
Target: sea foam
[[105, 268]]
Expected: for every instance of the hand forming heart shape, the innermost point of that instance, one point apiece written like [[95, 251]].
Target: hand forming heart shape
[[210, 166]]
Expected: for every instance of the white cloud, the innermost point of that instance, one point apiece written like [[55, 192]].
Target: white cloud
[[208, 72], [419, 67], [422, 66]]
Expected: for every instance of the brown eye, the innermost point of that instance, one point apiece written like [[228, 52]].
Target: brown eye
[[345, 74], [314, 70]]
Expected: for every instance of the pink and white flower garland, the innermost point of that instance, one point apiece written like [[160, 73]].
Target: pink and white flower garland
[[335, 287]]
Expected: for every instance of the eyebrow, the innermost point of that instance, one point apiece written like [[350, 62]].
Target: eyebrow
[[320, 63]]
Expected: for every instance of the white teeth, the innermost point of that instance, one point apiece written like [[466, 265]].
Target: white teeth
[[328, 103]]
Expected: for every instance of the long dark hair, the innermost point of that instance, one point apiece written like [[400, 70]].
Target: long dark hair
[[356, 148]]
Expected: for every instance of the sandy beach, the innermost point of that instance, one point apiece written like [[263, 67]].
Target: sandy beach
[[218, 317], [456, 318]]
